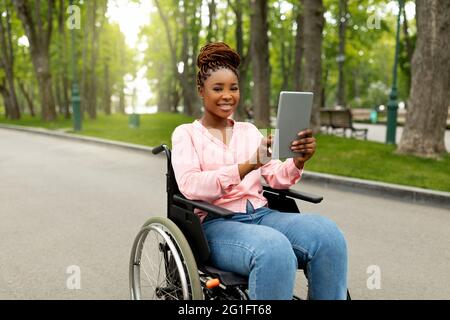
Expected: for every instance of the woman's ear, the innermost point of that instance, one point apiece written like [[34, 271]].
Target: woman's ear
[[200, 91]]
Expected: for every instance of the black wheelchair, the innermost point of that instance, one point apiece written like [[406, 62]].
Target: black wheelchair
[[169, 257]]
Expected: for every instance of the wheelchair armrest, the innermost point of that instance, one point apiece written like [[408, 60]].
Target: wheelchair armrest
[[205, 206], [295, 194]]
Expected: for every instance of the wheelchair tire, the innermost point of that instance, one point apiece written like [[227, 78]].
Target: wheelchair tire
[[170, 272]]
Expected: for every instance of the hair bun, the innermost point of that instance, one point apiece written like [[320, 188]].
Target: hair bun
[[217, 53], [214, 56]]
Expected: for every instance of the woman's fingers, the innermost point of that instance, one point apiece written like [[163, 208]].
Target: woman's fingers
[[303, 141]]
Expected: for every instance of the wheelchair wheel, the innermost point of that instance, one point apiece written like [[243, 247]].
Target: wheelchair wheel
[[162, 266]]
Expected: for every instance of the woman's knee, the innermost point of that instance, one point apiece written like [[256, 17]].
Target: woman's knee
[[331, 236], [274, 250]]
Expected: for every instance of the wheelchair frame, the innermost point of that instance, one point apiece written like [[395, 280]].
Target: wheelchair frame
[[189, 251]]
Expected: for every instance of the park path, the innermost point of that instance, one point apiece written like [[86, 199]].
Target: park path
[[377, 132], [68, 203]]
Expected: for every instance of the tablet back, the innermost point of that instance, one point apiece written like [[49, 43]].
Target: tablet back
[[294, 113]]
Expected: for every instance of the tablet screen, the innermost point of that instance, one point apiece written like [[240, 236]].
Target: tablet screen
[[294, 114]]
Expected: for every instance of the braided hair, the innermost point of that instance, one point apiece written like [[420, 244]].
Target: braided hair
[[215, 56]]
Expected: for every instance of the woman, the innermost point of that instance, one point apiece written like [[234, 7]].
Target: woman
[[218, 160]]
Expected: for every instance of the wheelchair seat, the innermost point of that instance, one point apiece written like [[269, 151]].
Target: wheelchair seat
[[226, 277]]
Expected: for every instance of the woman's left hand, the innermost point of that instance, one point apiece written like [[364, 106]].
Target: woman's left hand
[[305, 145]]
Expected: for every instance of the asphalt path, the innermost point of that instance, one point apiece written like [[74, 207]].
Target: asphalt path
[[69, 211], [377, 132]]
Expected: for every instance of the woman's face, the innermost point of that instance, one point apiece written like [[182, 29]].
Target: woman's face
[[220, 93]]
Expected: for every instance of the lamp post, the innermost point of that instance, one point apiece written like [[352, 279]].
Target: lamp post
[[76, 112], [392, 105]]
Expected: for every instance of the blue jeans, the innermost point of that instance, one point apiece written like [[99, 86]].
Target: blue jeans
[[268, 247]]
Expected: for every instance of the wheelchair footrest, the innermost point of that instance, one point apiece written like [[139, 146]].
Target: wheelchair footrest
[[227, 278]]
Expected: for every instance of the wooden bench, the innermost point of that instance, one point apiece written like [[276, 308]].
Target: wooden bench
[[339, 122]]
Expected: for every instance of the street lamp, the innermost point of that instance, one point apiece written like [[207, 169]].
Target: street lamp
[[392, 105], [76, 112]]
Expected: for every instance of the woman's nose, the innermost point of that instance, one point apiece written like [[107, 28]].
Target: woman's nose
[[227, 96]]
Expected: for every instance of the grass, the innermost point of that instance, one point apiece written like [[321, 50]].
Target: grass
[[153, 130], [379, 162], [334, 155]]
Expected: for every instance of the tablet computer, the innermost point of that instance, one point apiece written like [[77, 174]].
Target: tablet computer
[[294, 113]]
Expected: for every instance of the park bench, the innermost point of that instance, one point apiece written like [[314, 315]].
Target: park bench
[[339, 122]]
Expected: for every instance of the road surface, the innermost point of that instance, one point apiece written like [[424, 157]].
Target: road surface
[[69, 208]]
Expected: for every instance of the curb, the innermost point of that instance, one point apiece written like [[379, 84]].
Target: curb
[[64, 135], [382, 189], [398, 192]]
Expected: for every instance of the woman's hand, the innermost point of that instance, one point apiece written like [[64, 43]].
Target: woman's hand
[[263, 154], [306, 145]]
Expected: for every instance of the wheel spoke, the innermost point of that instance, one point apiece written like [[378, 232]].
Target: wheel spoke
[[165, 276]]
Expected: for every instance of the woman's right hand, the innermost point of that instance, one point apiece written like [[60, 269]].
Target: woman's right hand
[[261, 156], [264, 153]]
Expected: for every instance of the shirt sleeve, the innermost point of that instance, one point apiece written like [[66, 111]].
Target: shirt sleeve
[[278, 174], [281, 175], [194, 183]]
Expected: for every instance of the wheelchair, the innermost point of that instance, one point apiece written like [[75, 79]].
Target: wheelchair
[[169, 257]]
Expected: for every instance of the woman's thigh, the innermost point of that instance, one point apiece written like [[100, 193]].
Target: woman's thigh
[[234, 245], [306, 232]]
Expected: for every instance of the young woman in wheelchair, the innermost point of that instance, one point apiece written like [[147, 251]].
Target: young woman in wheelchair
[[221, 161]]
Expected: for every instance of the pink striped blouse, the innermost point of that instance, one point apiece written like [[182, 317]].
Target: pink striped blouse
[[207, 169]]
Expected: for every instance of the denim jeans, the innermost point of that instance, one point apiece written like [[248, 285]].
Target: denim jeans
[[269, 246]]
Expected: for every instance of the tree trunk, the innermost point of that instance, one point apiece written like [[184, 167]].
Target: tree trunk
[[57, 93], [48, 109], [122, 105], [92, 98], [6, 98], [188, 54], [211, 36], [313, 27], [84, 92], [259, 46], [39, 40], [27, 97], [107, 90], [63, 54], [7, 64], [340, 98], [240, 113], [429, 100], [299, 47]]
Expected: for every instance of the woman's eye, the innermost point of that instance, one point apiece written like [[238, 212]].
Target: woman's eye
[[234, 89], [217, 89]]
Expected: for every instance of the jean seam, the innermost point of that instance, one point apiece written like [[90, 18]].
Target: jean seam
[[237, 244], [302, 250]]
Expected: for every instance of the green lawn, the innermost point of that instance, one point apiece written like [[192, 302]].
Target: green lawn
[[335, 155]]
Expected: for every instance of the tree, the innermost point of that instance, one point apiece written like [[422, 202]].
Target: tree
[[299, 48], [38, 29], [238, 10], [429, 100], [341, 101], [313, 27], [259, 46], [188, 19], [7, 64], [62, 78]]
